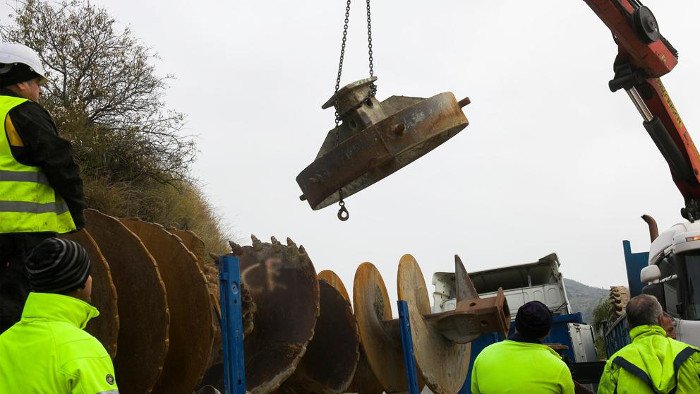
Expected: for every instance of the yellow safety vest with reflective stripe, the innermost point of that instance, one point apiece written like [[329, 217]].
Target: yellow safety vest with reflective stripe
[[48, 352], [652, 363], [28, 203]]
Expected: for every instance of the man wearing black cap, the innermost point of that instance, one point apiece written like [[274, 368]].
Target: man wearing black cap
[[41, 193], [48, 351], [522, 364]]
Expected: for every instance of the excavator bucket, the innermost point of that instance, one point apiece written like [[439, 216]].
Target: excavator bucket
[[331, 357], [191, 327], [142, 303], [376, 139], [104, 294]]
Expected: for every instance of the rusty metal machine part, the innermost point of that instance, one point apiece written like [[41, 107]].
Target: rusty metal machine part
[[193, 243], [142, 303], [379, 334], [376, 139], [473, 316], [334, 280], [364, 380], [104, 294], [329, 363], [653, 227], [282, 282], [443, 364], [191, 327]]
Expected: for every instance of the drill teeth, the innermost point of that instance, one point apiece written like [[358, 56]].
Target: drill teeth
[[275, 241], [236, 249], [293, 247], [257, 245], [302, 250]]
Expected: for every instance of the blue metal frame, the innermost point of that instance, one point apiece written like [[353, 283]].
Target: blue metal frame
[[232, 324], [634, 262], [407, 344]]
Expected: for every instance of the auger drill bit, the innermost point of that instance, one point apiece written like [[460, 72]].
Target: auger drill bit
[[441, 341], [363, 380], [331, 357], [104, 294], [283, 286], [191, 331], [143, 307], [376, 139]]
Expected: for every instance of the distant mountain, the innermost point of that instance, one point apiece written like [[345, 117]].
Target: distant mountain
[[584, 298]]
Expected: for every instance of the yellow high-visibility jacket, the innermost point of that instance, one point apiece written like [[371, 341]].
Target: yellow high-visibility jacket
[[652, 363], [27, 202], [520, 367], [49, 352]]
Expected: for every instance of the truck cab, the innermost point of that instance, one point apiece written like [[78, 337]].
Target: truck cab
[[673, 277]]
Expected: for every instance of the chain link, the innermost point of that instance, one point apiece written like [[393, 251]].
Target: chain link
[[343, 213], [340, 62], [373, 87]]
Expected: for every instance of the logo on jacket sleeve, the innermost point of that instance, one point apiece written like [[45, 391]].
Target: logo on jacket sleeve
[[110, 379]]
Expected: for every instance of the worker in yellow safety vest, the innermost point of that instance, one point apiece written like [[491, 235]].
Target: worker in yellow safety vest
[[653, 362], [522, 364], [41, 192], [48, 351]]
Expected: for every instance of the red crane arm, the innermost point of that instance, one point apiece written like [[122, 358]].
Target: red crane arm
[[644, 55]]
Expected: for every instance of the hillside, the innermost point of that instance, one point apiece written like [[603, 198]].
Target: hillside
[[584, 298]]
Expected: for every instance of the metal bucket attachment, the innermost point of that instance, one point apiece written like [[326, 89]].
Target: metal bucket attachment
[[376, 139], [331, 357], [191, 326], [104, 295], [283, 285], [143, 308]]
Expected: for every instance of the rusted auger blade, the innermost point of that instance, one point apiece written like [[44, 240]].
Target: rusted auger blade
[[331, 357], [363, 381], [441, 341], [104, 294], [283, 285], [143, 308], [191, 330], [379, 333], [376, 139]]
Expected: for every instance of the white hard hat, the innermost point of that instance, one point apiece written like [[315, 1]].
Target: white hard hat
[[13, 53]]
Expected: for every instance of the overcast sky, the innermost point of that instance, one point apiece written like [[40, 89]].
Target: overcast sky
[[552, 161]]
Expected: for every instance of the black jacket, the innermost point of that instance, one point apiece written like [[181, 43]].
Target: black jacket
[[44, 148]]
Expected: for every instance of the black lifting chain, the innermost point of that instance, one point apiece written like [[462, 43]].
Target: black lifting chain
[[343, 213]]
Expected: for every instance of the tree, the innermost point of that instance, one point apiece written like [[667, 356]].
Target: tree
[[107, 99], [601, 317], [103, 86]]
